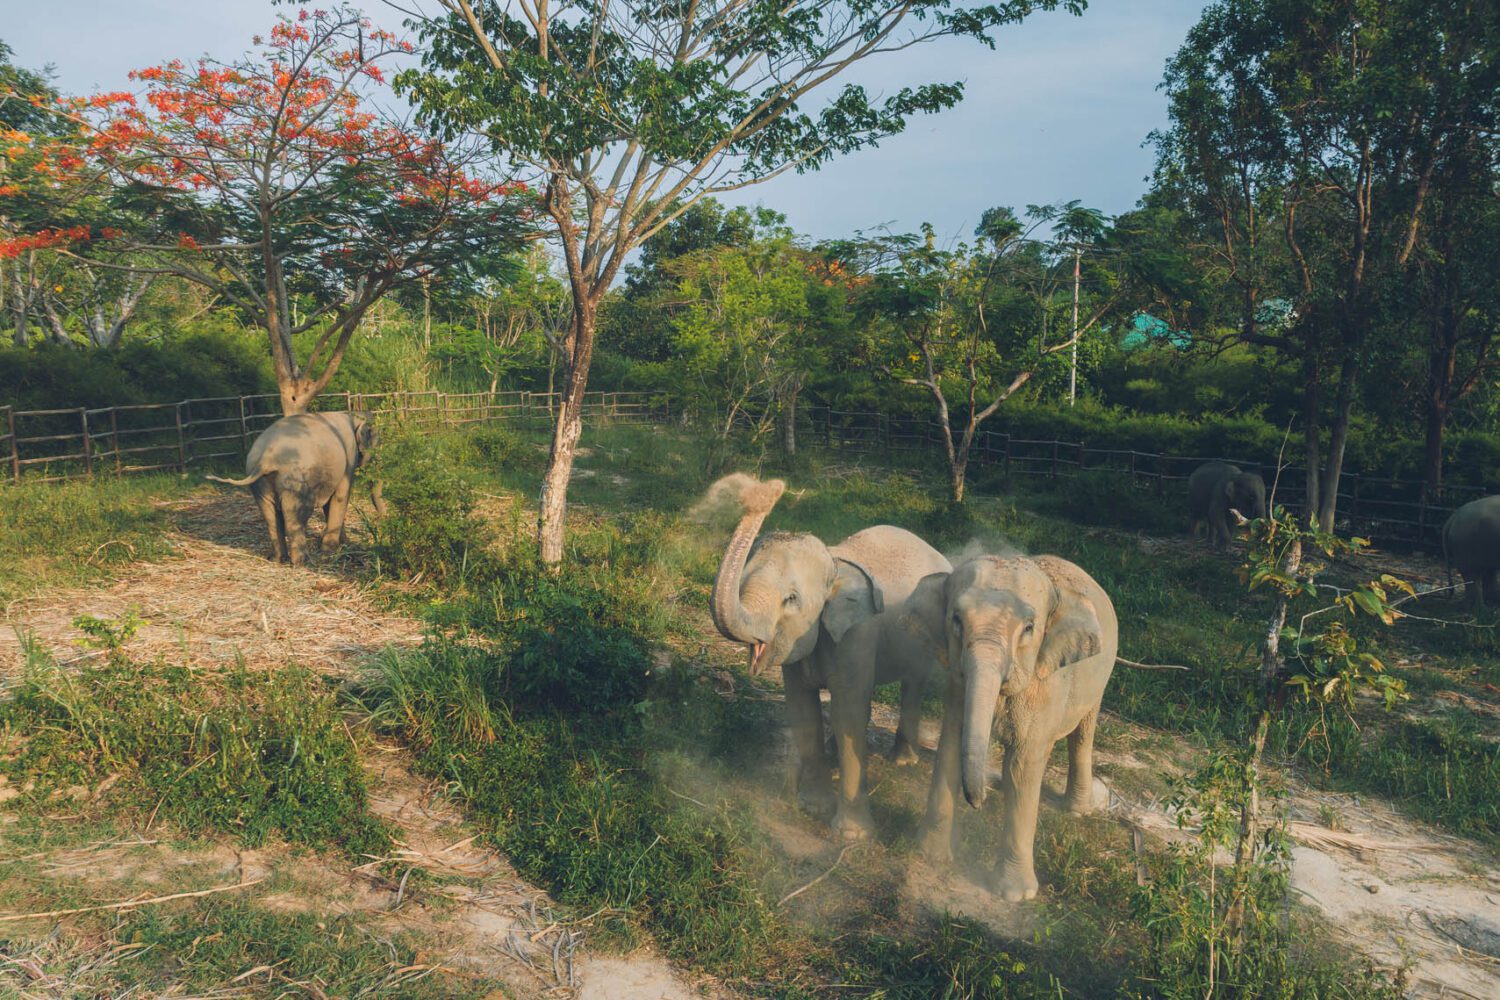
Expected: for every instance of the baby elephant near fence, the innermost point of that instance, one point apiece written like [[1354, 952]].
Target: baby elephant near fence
[[304, 461], [1217, 491]]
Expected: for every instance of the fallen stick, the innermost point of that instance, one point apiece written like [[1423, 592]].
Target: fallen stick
[[129, 904], [797, 892]]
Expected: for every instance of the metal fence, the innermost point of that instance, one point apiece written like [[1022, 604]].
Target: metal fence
[[52, 445], [1391, 510]]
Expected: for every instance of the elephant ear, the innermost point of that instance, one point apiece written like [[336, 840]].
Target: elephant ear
[[1073, 634], [853, 597]]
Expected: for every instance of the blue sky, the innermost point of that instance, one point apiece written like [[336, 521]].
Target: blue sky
[[1057, 111]]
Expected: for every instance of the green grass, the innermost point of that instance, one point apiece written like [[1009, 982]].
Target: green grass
[[65, 534], [243, 753]]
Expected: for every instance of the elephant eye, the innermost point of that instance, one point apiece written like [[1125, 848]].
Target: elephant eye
[[958, 625], [1030, 628], [791, 601]]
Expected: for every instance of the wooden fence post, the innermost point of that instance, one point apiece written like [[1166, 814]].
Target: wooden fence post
[[244, 429], [114, 433], [181, 443], [88, 445], [15, 443], [1055, 445]]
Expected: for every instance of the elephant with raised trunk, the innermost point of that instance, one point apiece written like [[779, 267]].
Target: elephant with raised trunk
[[1031, 644], [1217, 491], [1471, 544], [302, 462], [790, 598]]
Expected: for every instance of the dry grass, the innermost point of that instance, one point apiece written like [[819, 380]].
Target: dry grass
[[218, 599]]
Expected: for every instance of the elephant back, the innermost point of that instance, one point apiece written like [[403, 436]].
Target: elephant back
[[895, 559]]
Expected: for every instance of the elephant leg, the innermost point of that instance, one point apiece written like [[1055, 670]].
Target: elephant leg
[[336, 509], [909, 727], [295, 510], [1080, 793], [805, 716], [850, 708], [937, 828], [1015, 877], [272, 514], [1473, 588]]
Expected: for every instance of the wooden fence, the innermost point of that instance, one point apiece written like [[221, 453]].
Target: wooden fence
[[1391, 510], [52, 445]]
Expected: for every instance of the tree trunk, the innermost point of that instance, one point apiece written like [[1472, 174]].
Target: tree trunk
[[1442, 368], [1338, 439], [1312, 451], [789, 421], [566, 431]]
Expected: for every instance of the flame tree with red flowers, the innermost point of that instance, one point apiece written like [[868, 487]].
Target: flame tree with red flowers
[[273, 180]]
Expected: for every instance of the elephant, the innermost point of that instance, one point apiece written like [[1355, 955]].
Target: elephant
[[790, 598], [1031, 644], [1471, 543], [304, 461], [1215, 489]]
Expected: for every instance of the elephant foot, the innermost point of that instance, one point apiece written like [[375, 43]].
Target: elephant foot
[[853, 822], [812, 789], [1015, 886], [903, 755], [1079, 803], [936, 845]]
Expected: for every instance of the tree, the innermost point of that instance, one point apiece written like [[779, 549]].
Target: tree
[[271, 178], [632, 112], [976, 323], [1305, 141]]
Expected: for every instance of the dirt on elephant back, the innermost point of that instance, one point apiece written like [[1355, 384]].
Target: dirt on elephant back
[[219, 599]]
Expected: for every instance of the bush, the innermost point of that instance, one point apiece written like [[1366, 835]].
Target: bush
[[244, 753], [572, 805], [431, 528], [209, 363]]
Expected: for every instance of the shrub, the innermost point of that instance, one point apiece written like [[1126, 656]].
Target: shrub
[[573, 806], [244, 753], [431, 528]]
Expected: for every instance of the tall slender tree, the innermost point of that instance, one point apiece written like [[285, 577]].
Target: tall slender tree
[[631, 112]]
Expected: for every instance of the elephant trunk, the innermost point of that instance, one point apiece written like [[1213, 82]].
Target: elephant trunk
[[757, 499], [980, 697]]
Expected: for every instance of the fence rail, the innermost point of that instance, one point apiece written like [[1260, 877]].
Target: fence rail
[[1392, 510], [59, 444]]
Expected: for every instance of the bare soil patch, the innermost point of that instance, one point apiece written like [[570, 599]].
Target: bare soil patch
[[219, 599]]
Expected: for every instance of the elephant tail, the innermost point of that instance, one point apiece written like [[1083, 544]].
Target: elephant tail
[[236, 482], [1148, 666]]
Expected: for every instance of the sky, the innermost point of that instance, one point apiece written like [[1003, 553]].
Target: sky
[[1059, 110]]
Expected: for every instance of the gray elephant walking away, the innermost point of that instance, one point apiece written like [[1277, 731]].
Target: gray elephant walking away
[[1217, 488], [303, 462], [1471, 544], [790, 598]]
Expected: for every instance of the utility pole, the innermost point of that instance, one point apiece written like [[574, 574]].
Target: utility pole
[[1073, 369]]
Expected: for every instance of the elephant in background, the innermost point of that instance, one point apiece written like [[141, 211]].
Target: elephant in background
[[1471, 543], [1215, 489], [1031, 644], [302, 462], [790, 598]]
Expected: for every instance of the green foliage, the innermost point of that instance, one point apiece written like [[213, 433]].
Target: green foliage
[[574, 808], [245, 753], [212, 361], [1223, 931], [958, 959], [431, 528]]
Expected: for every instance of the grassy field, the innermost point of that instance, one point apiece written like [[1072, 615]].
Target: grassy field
[[594, 733]]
